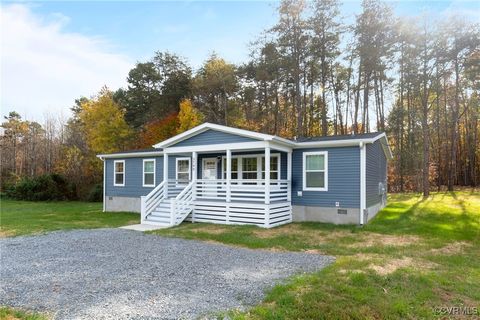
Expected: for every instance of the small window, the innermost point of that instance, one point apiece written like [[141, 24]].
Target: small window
[[249, 168], [183, 170], [315, 171], [149, 173], [273, 167], [119, 173], [234, 168]]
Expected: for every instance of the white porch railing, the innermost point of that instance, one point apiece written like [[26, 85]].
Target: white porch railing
[[242, 190], [151, 200], [236, 201], [182, 205]]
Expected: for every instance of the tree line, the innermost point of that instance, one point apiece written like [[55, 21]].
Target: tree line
[[311, 74]]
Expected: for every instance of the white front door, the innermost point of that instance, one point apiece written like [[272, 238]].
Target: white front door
[[209, 172], [209, 168]]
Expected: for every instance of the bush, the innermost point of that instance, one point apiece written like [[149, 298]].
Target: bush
[[43, 188], [96, 193]]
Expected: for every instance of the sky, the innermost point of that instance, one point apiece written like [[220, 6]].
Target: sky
[[54, 52]]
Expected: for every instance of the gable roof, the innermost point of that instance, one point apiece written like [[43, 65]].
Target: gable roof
[[211, 126], [307, 142]]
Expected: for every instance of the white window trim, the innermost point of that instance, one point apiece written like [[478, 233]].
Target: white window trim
[[154, 172], [304, 169], [115, 173], [189, 167], [259, 157], [216, 166]]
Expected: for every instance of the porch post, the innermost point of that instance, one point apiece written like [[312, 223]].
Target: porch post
[[267, 173], [194, 174], [229, 174], [165, 175], [289, 176]]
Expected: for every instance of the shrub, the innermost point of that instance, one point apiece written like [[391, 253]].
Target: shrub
[[96, 193], [42, 188]]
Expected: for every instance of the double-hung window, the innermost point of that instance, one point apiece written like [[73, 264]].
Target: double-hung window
[[119, 173], [273, 167], [315, 171], [183, 170], [234, 168], [149, 172], [249, 168]]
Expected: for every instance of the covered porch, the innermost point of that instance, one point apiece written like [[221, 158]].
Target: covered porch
[[238, 183]]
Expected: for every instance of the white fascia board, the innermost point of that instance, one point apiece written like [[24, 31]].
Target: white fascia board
[[206, 126], [385, 146], [280, 146], [217, 147], [283, 141], [130, 155]]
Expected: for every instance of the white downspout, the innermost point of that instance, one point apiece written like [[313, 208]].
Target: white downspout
[[104, 184], [363, 182]]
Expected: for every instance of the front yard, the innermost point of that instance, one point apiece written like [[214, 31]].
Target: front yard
[[27, 217], [415, 257], [414, 260]]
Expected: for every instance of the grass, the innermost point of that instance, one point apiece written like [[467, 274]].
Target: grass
[[27, 218], [415, 255], [12, 314]]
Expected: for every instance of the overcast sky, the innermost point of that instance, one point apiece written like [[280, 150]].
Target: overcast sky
[[54, 52]]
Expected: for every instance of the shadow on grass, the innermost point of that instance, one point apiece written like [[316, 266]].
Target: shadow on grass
[[433, 216]]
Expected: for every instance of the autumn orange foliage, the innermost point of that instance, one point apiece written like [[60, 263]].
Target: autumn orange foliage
[[158, 130]]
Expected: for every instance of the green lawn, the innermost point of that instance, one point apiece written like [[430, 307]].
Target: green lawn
[[415, 256], [26, 217], [11, 314]]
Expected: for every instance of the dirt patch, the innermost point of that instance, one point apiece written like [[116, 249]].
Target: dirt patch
[[346, 271], [212, 230], [451, 248], [384, 265], [368, 256], [312, 237], [312, 251], [5, 233], [378, 239], [393, 265]]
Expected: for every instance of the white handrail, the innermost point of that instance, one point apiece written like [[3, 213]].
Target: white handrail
[[151, 200], [182, 205], [243, 190]]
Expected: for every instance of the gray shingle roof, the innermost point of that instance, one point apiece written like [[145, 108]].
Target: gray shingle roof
[[304, 139], [341, 137]]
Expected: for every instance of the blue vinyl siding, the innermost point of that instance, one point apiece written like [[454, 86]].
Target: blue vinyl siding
[[376, 165], [134, 170], [343, 179], [212, 137], [133, 176]]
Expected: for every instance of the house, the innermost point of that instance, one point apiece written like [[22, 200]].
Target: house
[[219, 174]]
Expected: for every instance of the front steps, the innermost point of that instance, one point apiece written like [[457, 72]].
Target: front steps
[[161, 215]]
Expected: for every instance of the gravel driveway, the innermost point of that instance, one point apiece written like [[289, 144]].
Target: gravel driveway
[[115, 273]]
